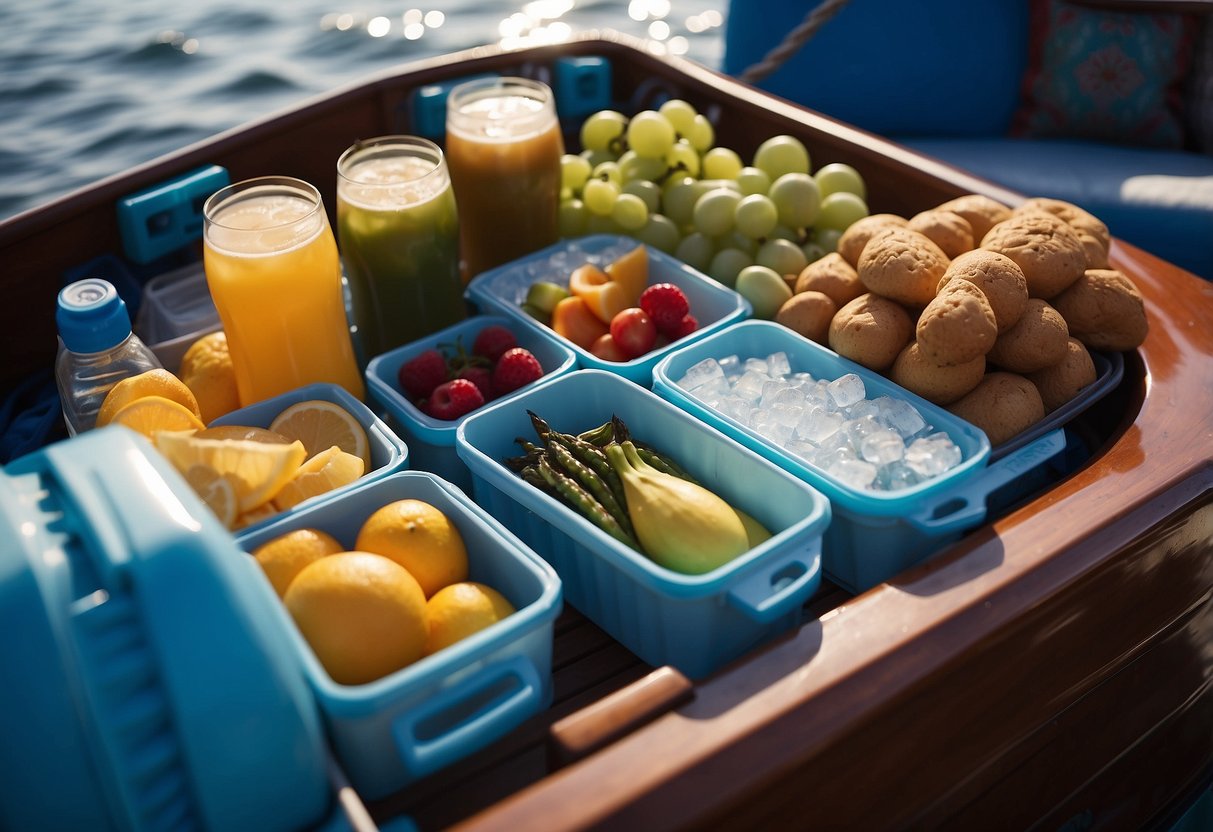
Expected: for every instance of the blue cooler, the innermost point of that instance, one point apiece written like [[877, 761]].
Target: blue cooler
[[147, 685], [502, 290]]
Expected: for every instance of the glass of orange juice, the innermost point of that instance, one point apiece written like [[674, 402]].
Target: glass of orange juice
[[399, 236], [503, 146], [272, 267]]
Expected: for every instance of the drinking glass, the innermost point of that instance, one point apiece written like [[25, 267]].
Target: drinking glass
[[398, 230], [503, 146], [273, 271]]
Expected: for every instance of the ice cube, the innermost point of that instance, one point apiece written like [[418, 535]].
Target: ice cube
[[932, 455], [780, 392], [853, 472], [862, 408], [757, 365], [901, 416], [846, 390], [701, 373], [731, 365], [749, 386], [775, 430], [896, 476], [787, 414], [882, 447], [735, 407], [778, 365], [817, 424], [858, 429]]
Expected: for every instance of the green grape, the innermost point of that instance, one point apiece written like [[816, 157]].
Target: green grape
[[840, 209], [836, 177], [608, 171], [755, 216], [634, 166], [782, 232], [826, 238], [713, 214], [679, 113], [646, 190], [721, 163], [678, 202], [735, 239], [813, 251], [696, 250], [726, 264], [574, 171], [566, 193], [650, 134], [702, 186], [660, 233], [630, 212], [602, 129], [598, 224], [796, 198], [781, 256], [753, 180], [572, 217], [599, 196], [782, 154], [683, 157], [597, 157], [701, 135]]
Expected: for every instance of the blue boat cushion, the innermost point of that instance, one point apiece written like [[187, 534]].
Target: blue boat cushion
[[1158, 200], [1110, 76]]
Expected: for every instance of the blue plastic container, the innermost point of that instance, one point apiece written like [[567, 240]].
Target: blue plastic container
[[388, 451], [500, 291], [694, 622], [146, 683], [875, 534], [417, 720], [431, 441]]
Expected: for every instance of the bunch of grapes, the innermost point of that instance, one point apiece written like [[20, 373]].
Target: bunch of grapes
[[659, 177]]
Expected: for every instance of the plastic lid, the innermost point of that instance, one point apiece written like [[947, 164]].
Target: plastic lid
[[91, 316]]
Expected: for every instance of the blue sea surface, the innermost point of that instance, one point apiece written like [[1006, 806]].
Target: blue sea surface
[[92, 87]]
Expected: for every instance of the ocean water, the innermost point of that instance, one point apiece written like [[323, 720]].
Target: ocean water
[[89, 88]]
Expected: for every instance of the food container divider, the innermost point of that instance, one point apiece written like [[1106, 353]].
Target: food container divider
[[696, 623], [431, 441], [501, 290], [157, 688], [874, 534], [389, 453], [413, 722]]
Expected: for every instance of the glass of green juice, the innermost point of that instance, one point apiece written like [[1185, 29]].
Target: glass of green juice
[[398, 230]]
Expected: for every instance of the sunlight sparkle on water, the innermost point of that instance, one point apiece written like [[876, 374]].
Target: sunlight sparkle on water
[[414, 31], [378, 27], [434, 19], [659, 30], [547, 9]]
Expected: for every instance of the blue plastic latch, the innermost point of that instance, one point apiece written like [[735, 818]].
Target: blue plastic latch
[[583, 86], [168, 216], [429, 106]]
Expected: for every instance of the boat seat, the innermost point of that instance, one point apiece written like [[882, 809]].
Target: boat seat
[[952, 79]]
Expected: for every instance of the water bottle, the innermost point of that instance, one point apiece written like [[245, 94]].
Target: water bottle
[[96, 349]]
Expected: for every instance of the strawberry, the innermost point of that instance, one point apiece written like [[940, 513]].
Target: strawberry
[[422, 373], [666, 306], [686, 326], [453, 399], [482, 377], [515, 368], [492, 342]]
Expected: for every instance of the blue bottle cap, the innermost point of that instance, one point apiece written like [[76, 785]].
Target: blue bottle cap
[[91, 316]]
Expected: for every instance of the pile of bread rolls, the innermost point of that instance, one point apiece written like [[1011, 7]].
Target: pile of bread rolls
[[983, 309]]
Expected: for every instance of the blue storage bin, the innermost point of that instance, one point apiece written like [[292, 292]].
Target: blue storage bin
[[874, 534], [146, 683], [431, 441], [388, 451], [501, 291], [392, 731], [694, 622]]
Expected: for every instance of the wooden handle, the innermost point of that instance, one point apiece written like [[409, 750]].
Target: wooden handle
[[602, 723]]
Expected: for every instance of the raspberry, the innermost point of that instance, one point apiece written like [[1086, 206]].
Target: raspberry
[[516, 368], [686, 326], [666, 306], [492, 342], [422, 373], [482, 377], [453, 399]]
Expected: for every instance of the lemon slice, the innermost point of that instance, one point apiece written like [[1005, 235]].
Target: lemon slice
[[253, 434], [150, 414], [157, 382], [319, 425], [257, 470], [255, 515], [216, 490], [322, 473]]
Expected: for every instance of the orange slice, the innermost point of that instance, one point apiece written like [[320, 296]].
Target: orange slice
[[157, 382], [216, 490], [150, 414]]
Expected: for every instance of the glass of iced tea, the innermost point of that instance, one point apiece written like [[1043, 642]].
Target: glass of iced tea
[[503, 145], [273, 271], [398, 230]]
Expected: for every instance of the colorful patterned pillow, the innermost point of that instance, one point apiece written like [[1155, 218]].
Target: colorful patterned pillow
[[1107, 75]]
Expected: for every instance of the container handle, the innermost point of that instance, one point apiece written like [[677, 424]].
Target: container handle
[[793, 579], [964, 505], [521, 697]]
